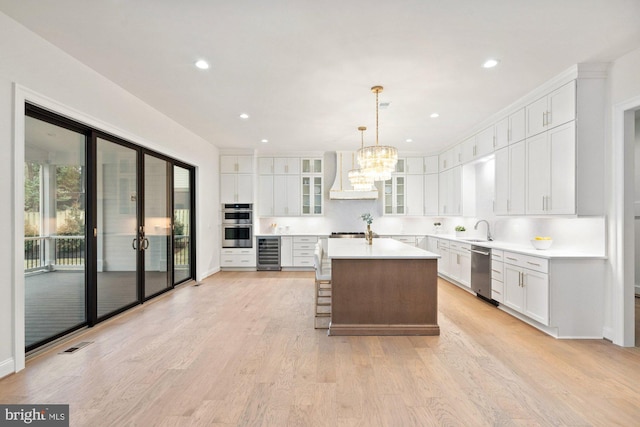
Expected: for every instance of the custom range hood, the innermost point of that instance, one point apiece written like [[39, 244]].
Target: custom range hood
[[342, 189]]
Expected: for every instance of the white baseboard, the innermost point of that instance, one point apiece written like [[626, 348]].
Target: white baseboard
[[7, 367], [208, 273]]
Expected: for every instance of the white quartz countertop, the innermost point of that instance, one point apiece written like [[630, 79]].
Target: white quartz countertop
[[382, 248], [526, 249]]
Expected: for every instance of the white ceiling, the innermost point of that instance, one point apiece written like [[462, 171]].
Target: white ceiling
[[302, 69]]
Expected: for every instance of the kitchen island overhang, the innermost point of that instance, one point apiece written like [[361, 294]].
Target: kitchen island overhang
[[387, 288]]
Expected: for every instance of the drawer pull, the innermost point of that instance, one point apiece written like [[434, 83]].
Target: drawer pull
[[497, 271], [533, 263], [512, 259]]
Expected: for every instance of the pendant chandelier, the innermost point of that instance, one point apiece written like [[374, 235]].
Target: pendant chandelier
[[378, 161], [359, 179]]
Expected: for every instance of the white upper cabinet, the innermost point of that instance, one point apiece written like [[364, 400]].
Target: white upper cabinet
[[415, 195], [286, 166], [236, 188], [451, 158], [431, 164], [553, 110], [311, 165], [265, 165], [501, 134], [265, 195], [395, 195], [286, 195], [517, 126], [467, 149], [510, 180], [450, 192], [485, 140], [236, 164], [415, 165], [236, 179], [510, 129], [551, 171], [431, 194]]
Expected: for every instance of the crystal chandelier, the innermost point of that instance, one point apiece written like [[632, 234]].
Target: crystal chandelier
[[360, 181], [378, 161]]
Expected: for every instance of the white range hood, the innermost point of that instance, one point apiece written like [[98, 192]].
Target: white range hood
[[342, 189]]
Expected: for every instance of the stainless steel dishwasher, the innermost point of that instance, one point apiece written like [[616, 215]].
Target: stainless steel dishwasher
[[481, 272]]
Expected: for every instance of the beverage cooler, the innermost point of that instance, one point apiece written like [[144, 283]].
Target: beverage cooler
[[268, 253]]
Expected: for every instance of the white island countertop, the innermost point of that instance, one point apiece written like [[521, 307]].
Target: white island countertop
[[382, 248]]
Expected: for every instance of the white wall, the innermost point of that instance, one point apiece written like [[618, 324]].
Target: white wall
[[50, 77], [637, 203], [624, 92]]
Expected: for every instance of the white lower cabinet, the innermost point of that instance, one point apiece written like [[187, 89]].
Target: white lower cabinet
[[303, 248], [409, 240], [526, 286], [286, 251], [460, 262], [497, 275], [231, 257], [443, 262]]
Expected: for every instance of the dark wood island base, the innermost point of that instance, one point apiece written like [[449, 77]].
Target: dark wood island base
[[384, 297]]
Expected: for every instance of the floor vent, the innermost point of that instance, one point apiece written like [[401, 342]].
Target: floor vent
[[76, 347]]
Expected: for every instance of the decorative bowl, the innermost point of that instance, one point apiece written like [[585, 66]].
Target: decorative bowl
[[541, 244]]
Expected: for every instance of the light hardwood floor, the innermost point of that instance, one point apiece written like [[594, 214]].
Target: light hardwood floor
[[241, 350]]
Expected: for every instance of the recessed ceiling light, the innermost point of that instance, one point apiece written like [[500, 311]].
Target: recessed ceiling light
[[244, 116], [202, 64], [490, 63], [264, 141], [434, 115], [408, 140]]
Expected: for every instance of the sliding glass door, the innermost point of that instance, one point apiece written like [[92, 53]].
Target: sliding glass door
[[117, 227], [108, 225], [54, 230], [182, 241], [156, 243]]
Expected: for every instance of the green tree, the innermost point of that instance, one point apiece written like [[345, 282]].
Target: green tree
[[69, 186], [31, 187]]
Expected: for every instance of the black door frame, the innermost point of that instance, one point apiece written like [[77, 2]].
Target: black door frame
[[91, 137]]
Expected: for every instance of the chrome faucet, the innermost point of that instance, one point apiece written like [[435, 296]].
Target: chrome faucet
[[475, 227]]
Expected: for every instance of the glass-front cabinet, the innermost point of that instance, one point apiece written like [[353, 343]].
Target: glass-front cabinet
[[395, 195], [311, 166], [312, 190], [312, 195]]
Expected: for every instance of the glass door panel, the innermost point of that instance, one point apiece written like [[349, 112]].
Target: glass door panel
[[54, 231], [157, 225], [117, 226], [181, 225]]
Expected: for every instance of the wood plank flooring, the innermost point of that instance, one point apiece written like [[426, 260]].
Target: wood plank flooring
[[241, 350]]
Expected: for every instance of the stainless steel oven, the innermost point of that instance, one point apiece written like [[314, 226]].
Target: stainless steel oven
[[237, 236], [237, 225], [237, 213]]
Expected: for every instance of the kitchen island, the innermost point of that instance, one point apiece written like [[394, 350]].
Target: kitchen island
[[387, 288]]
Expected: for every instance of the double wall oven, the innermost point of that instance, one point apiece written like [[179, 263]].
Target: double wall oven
[[237, 225]]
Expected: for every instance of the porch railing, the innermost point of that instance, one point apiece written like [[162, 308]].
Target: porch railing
[[50, 252]]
